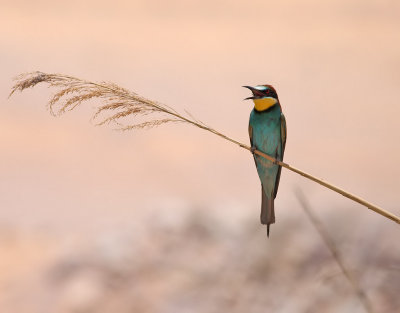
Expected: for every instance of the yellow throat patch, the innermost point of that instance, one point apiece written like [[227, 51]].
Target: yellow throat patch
[[264, 103]]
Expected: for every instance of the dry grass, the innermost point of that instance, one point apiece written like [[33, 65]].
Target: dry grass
[[336, 255], [119, 104]]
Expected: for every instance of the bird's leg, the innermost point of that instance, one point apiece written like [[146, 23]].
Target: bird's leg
[[253, 149]]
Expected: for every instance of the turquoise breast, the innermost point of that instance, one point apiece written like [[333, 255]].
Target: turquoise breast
[[267, 138]]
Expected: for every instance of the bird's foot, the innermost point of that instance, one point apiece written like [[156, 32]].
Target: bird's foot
[[277, 160], [253, 149]]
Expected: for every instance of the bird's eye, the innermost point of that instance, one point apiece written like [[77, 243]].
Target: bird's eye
[[267, 91]]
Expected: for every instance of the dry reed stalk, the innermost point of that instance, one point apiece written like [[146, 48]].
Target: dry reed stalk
[[122, 103], [327, 239]]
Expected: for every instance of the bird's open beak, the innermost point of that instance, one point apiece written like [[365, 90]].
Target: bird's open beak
[[256, 93]]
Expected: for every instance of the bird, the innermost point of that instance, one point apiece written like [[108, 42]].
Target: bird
[[267, 131]]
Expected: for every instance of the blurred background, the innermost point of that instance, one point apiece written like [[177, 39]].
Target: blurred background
[[167, 220]]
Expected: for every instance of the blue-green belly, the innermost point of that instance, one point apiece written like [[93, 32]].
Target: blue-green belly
[[267, 138]]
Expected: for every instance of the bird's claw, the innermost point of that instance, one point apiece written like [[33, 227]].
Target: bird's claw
[[253, 149]]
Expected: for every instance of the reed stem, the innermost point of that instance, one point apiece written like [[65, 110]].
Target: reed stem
[[126, 103]]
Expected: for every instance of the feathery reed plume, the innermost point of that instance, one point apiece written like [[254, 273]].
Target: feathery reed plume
[[123, 104], [330, 244]]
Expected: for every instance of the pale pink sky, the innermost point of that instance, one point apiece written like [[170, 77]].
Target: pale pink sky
[[69, 190], [336, 68]]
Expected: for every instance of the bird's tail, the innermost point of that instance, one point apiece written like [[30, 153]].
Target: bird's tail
[[267, 210]]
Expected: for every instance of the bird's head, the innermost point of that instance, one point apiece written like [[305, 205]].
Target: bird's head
[[264, 97]]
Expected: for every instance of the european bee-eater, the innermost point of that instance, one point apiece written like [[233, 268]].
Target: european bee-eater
[[267, 131]]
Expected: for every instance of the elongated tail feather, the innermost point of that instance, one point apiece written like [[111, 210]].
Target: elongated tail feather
[[267, 210]]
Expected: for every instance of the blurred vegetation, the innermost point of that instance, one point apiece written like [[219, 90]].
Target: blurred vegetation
[[200, 263]]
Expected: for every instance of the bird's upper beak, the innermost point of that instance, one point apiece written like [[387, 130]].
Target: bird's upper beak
[[256, 93]]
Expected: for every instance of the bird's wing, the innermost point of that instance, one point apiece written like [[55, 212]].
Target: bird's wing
[[283, 145], [251, 141], [251, 134], [283, 133]]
